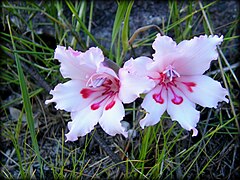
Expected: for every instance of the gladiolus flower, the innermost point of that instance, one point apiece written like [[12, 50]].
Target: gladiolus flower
[[177, 71], [93, 95]]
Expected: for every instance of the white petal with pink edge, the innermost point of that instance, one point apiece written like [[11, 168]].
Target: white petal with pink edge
[[70, 64], [133, 85], [92, 57], [110, 120], [138, 66], [155, 104], [83, 122], [184, 112], [107, 70], [68, 96], [134, 79], [195, 55], [165, 51], [202, 90]]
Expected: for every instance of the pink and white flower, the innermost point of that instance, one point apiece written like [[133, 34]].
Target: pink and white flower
[[93, 95], [177, 72]]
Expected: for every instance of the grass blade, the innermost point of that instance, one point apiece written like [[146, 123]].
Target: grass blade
[[119, 18], [26, 103], [122, 8], [125, 27], [85, 29]]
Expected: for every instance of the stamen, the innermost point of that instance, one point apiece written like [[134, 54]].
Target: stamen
[[97, 82], [171, 72]]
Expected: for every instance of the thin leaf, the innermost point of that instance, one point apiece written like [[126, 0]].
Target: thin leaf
[[125, 27], [26, 103], [122, 8]]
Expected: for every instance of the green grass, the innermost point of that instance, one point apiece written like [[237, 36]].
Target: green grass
[[34, 143]]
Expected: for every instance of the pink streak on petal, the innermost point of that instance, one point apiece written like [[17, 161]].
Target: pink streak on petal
[[117, 112], [207, 92], [185, 113], [95, 106], [86, 92], [110, 105], [190, 85], [158, 98], [153, 109], [177, 99]]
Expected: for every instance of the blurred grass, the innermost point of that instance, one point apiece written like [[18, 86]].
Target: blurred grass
[[36, 148]]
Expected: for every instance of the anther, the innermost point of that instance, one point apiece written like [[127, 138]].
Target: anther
[[97, 82]]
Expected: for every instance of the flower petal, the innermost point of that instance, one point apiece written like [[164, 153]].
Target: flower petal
[[92, 57], [154, 109], [166, 52], [70, 64], [205, 91], [134, 80], [138, 66], [195, 55], [132, 86], [111, 117], [82, 122], [185, 112], [68, 96], [107, 70], [195, 132]]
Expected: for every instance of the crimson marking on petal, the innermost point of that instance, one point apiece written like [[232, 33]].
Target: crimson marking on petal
[[177, 99], [110, 105], [107, 82], [86, 92], [158, 98], [95, 106], [189, 85], [117, 81]]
